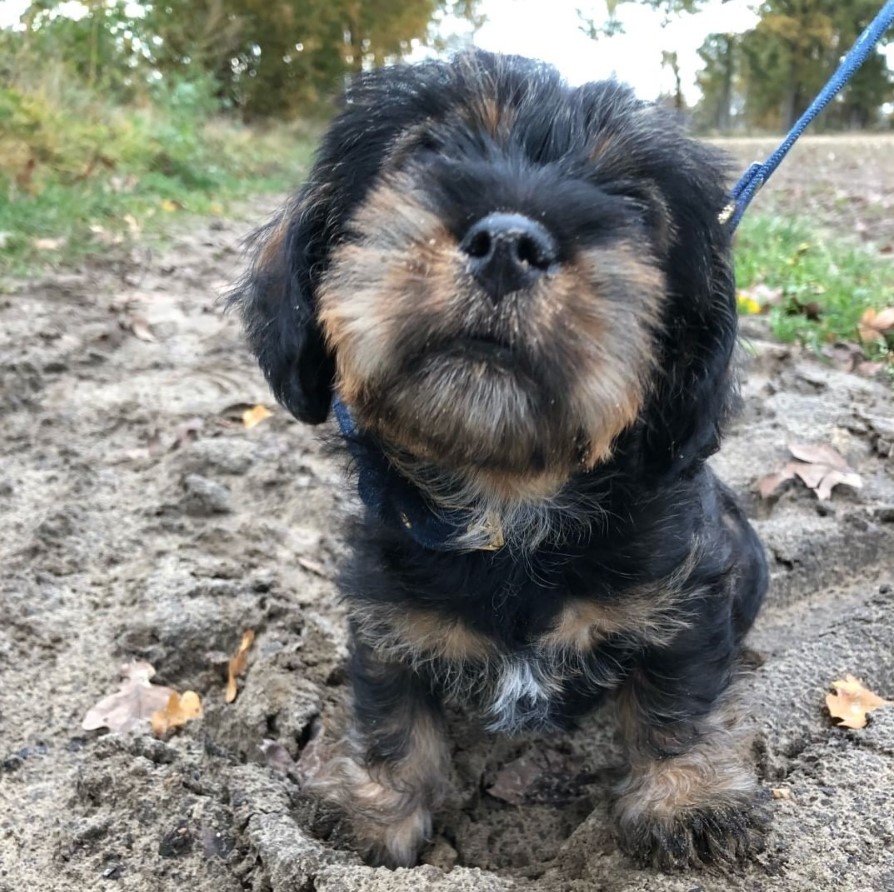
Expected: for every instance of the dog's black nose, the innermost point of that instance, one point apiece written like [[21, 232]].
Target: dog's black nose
[[508, 252]]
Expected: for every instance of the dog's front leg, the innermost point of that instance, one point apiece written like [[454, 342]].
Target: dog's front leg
[[399, 763], [688, 798]]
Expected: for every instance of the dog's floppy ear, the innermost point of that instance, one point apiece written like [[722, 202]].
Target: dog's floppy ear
[[275, 299], [695, 391], [290, 255]]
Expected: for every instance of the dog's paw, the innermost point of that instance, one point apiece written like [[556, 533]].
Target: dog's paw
[[392, 841], [726, 834], [389, 823]]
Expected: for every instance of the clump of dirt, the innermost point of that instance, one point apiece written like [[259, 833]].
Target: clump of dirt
[[142, 519]]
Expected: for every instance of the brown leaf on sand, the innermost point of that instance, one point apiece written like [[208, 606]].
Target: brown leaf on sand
[[244, 414], [139, 327], [851, 702], [875, 325], [540, 776], [132, 707], [314, 567], [819, 467], [255, 415], [237, 664], [179, 710]]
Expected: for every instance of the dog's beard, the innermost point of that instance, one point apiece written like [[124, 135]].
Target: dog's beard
[[462, 408]]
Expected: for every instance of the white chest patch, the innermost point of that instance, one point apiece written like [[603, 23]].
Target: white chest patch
[[521, 697]]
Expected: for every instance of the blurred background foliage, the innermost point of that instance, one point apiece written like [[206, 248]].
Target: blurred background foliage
[[116, 113], [765, 78]]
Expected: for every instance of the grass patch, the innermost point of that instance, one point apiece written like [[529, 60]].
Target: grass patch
[[80, 175], [822, 287]]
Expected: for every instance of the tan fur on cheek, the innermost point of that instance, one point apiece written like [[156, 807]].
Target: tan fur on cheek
[[375, 285], [610, 300]]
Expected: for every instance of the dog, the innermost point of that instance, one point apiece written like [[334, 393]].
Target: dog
[[517, 298]]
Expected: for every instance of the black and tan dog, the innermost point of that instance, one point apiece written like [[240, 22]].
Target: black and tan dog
[[518, 298]]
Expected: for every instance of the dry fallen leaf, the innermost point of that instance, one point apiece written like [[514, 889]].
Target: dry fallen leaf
[[139, 327], [781, 793], [235, 412], [542, 776], [759, 298], [237, 664], [48, 244], [515, 780], [178, 710], [314, 567], [875, 325], [255, 415], [852, 701], [819, 467], [133, 705]]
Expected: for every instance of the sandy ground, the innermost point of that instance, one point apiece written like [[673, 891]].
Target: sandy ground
[[138, 520]]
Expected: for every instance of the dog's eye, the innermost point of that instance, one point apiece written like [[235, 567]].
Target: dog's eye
[[414, 146], [638, 198], [428, 142]]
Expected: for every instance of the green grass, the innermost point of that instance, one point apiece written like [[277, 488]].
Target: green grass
[[832, 281], [79, 175]]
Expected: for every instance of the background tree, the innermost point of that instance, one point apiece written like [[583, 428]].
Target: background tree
[[792, 51], [267, 57], [716, 80]]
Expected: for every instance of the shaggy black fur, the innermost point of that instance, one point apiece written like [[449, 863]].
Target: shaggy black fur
[[659, 553]]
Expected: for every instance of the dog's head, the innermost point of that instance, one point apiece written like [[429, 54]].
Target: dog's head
[[498, 272]]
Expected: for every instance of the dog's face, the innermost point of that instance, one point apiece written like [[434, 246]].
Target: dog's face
[[499, 274]]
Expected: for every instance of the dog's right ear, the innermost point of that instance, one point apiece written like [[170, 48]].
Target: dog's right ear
[[277, 296], [275, 299]]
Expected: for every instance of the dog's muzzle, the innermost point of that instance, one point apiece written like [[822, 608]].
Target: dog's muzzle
[[508, 252]]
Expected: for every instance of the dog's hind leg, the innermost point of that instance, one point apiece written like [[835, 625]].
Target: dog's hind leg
[[399, 763]]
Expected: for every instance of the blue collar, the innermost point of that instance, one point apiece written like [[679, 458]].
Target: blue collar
[[395, 500]]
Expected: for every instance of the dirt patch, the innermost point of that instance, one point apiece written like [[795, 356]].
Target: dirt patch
[[844, 184], [140, 520]]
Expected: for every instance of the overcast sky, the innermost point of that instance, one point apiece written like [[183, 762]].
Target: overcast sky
[[548, 30]]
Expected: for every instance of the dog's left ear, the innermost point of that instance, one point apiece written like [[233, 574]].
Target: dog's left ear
[[695, 392]]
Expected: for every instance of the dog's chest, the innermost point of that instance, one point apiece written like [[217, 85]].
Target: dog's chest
[[533, 690], [521, 695]]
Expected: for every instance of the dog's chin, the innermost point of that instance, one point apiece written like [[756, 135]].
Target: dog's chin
[[476, 408]]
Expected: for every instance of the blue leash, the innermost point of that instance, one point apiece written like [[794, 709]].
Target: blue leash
[[758, 173]]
